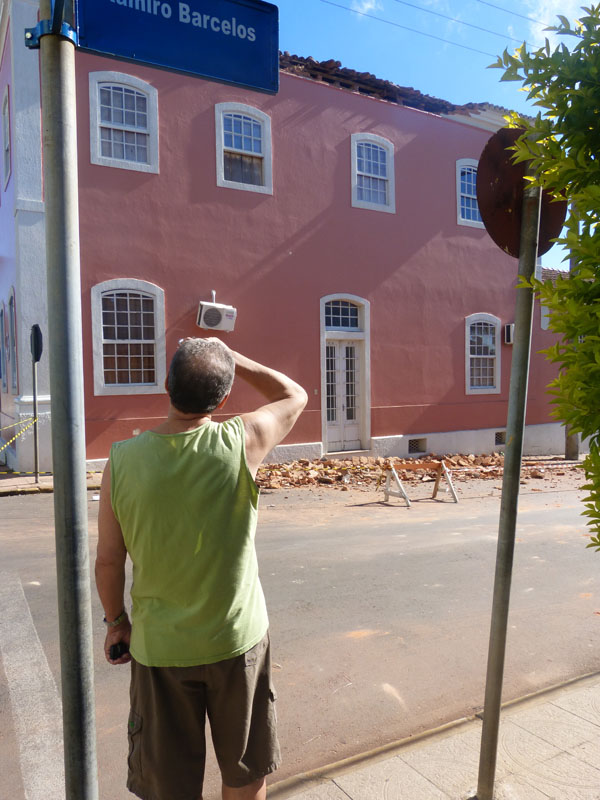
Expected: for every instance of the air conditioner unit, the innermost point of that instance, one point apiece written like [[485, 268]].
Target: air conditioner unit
[[509, 333], [216, 316]]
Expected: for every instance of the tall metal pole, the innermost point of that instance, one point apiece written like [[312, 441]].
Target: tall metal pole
[[66, 386], [36, 346], [571, 439], [510, 494]]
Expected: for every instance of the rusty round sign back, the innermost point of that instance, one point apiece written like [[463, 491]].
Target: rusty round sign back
[[500, 185]]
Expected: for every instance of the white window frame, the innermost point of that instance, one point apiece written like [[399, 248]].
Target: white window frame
[[138, 85], [385, 144], [265, 122], [490, 319], [128, 284], [6, 138], [470, 223], [360, 335]]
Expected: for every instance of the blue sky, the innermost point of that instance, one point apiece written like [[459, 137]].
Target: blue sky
[[440, 47]]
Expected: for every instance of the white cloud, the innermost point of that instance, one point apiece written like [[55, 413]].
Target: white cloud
[[547, 11], [364, 6]]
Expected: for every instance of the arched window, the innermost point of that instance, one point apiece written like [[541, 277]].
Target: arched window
[[342, 315], [123, 122], [12, 334], [244, 159], [3, 359], [128, 337], [467, 210], [373, 173], [482, 357], [6, 143]]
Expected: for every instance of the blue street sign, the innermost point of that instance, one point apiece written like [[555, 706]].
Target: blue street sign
[[233, 41]]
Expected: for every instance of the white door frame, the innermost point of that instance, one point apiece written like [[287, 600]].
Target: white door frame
[[362, 336]]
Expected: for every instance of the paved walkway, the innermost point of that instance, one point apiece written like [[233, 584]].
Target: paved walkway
[[12, 483], [549, 747]]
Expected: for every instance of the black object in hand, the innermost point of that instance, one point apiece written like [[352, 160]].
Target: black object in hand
[[117, 650]]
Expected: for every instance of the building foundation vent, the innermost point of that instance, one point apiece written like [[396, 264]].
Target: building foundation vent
[[417, 446]]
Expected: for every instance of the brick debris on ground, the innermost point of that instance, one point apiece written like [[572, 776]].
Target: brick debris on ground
[[363, 472]]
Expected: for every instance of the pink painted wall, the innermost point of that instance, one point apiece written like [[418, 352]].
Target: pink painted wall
[[7, 236], [274, 257]]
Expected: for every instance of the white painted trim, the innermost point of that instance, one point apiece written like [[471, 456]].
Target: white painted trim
[[281, 454], [159, 321], [469, 223], [24, 448], [543, 439], [27, 400], [151, 93], [265, 122], [356, 139], [337, 335], [35, 206], [363, 335], [492, 320], [544, 318], [4, 18], [26, 126], [292, 452], [487, 119], [6, 126]]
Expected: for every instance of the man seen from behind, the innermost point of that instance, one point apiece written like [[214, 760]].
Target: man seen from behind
[[182, 502]]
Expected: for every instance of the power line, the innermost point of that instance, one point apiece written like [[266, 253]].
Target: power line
[[460, 21], [412, 30], [513, 13]]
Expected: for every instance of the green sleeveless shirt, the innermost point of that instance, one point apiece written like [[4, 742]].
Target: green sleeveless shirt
[[187, 506]]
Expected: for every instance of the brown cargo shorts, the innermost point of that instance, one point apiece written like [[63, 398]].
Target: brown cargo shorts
[[167, 747]]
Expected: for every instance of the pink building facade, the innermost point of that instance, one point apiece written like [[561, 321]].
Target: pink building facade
[[341, 225]]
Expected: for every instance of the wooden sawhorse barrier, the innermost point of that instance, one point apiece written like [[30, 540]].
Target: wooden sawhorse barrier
[[430, 466]]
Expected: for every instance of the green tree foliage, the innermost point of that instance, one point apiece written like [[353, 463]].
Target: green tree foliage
[[563, 145]]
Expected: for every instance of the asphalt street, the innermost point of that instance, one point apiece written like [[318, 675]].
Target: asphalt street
[[379, 619]]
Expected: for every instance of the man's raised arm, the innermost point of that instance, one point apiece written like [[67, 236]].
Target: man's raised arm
[[270, 423]]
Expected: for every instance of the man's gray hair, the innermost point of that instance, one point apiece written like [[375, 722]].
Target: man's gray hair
[[200, 376]]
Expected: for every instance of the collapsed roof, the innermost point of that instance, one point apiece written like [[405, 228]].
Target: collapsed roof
[[332, 73]]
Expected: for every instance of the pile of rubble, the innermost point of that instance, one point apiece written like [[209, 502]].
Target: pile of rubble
[[369, 473]]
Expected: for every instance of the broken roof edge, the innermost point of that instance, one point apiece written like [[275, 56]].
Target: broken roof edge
[[332, 73], [551, 274]]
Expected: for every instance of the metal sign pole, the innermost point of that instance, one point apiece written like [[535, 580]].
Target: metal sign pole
[[57, 60], [510, 494], [36, 346], [36, 435], [36, 431]]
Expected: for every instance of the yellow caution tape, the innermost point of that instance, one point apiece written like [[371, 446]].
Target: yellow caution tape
[[14, 424], [16, 436], [10, 472]]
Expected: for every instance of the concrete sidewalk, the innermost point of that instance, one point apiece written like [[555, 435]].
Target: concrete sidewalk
[[12, 483], [549, 747]]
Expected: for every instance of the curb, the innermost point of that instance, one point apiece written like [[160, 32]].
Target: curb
[[12, 491], [305, 780]]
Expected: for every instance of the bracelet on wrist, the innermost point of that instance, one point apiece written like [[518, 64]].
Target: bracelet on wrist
[[121, 618]]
